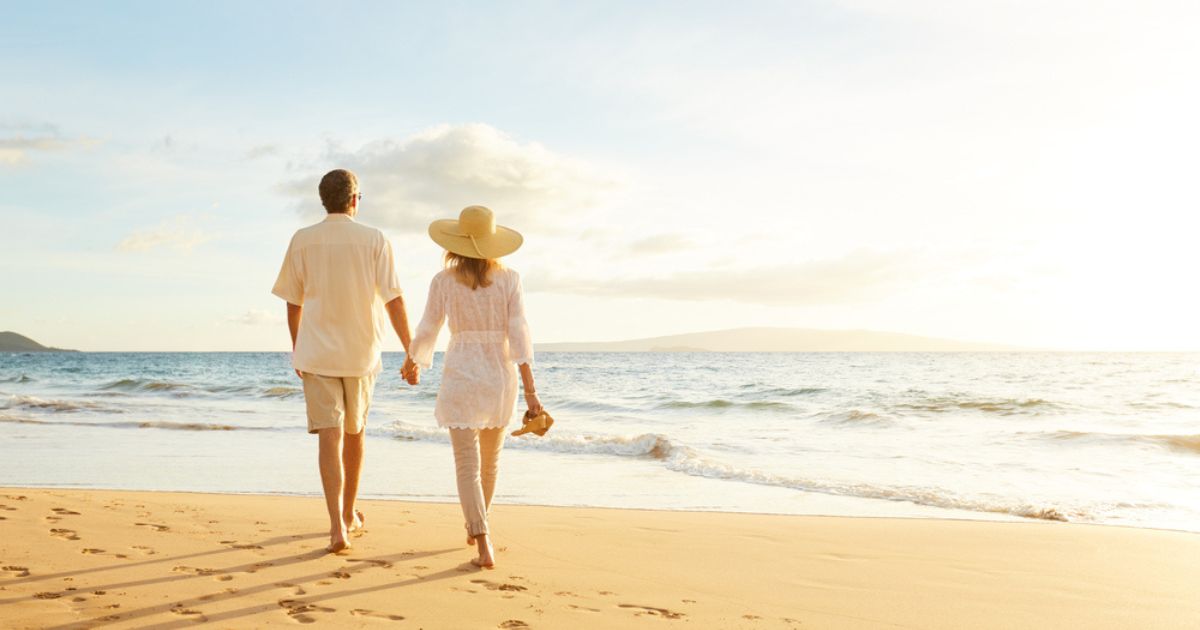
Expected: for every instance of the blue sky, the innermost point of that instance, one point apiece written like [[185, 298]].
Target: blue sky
[[1012, 172]]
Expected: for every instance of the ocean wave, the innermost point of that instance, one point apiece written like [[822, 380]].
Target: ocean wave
[[282, 392], [187, 390], [788, 393], [33, 402], [686, 460], [149, 424], [1000, 406], [20, 378], [857, 417], [721, 403], [1182, 442], [145, 385]]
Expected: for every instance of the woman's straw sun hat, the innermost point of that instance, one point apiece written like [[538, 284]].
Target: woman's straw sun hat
[[474, 234]]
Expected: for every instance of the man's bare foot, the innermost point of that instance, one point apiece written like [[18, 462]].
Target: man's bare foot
[[485, 559], [355, 521]]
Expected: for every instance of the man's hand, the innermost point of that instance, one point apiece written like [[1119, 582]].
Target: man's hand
[[299, 375], [410, 372]]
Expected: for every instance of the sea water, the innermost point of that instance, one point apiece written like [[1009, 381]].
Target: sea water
[[1094, 438]]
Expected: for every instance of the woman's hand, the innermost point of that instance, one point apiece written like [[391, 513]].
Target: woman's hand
[[532, 402], [410, 372]]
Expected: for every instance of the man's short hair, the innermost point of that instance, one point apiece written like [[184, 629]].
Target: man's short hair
[[337, 188]]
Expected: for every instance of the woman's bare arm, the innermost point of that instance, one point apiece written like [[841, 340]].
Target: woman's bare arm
[[531, 398]]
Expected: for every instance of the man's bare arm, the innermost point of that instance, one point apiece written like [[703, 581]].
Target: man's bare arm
[[398, 315], [293, 316], [294, 321]]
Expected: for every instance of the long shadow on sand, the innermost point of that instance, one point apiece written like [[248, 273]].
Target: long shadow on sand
[[297, 608]]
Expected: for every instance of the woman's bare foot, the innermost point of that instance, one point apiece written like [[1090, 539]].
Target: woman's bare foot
[[485, 559], [355, 521], [338, 541]]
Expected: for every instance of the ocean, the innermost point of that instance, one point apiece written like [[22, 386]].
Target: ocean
[[1100, 438]]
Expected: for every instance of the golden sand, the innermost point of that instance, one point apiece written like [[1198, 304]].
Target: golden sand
[[173, 560]]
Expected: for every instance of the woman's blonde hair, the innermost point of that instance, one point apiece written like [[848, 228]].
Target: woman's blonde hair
[[473, 272]]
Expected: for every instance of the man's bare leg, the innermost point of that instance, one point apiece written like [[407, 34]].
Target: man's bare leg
[[352, 458], [332, 481]]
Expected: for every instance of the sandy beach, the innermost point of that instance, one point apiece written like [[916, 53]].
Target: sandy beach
[[163, 560]]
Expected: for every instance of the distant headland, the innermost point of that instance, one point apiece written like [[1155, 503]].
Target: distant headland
[[12, 342], [783, 340]]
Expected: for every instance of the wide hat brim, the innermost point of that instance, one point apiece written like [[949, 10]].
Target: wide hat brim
[[448, 234]]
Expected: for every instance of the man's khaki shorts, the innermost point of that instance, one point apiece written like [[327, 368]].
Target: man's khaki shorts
[[338, 401]]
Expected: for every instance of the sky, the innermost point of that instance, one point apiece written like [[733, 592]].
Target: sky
[[1000, 171]]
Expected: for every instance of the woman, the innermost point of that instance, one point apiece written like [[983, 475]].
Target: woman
[[482, 301]]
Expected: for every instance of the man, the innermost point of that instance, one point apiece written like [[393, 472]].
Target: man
[[335, 274]]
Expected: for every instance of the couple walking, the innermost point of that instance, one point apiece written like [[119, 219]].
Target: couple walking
[[333, 277]]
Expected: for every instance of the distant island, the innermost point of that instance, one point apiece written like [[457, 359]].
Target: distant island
[[12, 342], [782, 340]]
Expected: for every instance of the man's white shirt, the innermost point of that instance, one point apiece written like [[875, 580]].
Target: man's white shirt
[[342, 272]]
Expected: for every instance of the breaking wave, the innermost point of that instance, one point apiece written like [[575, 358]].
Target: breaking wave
[[683, 459], [154, 424], [721, 403], [1185, 443], [33, 402], [1001, 406]]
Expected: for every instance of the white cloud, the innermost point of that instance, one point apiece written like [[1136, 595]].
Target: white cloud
[[180, 234], [26, 138], [435, 173], [858, 276], [255, 317]]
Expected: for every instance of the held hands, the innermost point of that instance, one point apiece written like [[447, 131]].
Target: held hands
[[410, 372]]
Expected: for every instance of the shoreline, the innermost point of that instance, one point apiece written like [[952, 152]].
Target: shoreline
[[93, 558], [980, 517]]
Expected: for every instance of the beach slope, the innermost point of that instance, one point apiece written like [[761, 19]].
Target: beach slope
[[171, 560]]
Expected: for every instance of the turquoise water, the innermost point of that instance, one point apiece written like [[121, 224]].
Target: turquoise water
[[1098, 438]]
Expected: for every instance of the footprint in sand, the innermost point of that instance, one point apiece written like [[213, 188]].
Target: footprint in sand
[[193, 570], [497, 586], [7, 508], [513, 623], [16, 497], [299, 610], [245, 546], [363, 612], [651, 610], [154, 526], [64, 512], [144, 549], [383, 564], [296, 589], [65, 534], [47, 595], [224, 578], [341, 575], [585, 608], [20, 571], [52, 519], [90, 551], [180, 609]]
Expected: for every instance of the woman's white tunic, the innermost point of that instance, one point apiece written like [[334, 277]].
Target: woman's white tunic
[[489, 337]]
